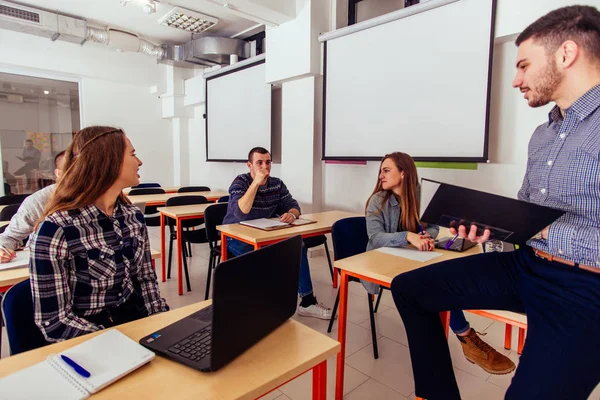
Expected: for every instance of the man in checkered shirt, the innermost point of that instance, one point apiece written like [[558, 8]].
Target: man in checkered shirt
[[555, 279]]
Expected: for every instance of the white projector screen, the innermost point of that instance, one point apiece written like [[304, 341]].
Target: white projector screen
[[238, 113], [419, 85]]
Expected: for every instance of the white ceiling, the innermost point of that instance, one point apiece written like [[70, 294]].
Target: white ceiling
[[130, 18]]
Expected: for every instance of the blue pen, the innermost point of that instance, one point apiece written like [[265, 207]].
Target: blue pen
[[78, 368], [421, 229], [450, 242]]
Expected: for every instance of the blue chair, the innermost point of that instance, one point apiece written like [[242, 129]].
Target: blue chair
[[188, 189], [349, 239], [223, 199], [17, 310], [213, 217], [147, 185]]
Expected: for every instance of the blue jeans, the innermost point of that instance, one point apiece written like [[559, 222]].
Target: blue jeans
[[458, 322], [237, 248], [561, 353]]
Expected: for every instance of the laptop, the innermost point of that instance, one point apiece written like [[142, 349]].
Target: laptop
[[253, 294], [509, 220]]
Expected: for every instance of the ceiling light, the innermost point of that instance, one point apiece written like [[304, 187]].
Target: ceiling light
[[187, 20], [124, 2], [46, 92]]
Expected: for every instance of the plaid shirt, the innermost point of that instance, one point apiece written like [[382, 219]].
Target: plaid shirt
[[563, 172], [84, 262]]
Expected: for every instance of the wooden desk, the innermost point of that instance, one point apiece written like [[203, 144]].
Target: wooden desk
[[167, 189], [161, 199], [259, 238], [178, 213], [380, 268], [283, 355]]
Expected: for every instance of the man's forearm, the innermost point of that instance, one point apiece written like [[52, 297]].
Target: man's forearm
[[295, 212], [246, 201]]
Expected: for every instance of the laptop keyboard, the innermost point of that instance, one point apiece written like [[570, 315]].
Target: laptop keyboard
[[195, 347]]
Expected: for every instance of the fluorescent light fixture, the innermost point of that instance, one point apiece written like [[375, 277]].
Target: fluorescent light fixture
[[46, 92], [187, 20]]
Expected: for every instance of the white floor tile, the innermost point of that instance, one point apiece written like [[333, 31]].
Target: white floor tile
[[274, 395], [372, 389], [474, 388], [389, 324]]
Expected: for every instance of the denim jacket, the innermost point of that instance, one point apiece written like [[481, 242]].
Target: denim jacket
[[382, 226]]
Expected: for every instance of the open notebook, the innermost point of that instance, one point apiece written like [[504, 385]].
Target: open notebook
[[21, 260], [107, 357], [269, 224]]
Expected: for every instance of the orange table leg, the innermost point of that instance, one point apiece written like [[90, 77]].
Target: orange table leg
[[445, 317], [320, 381], [419, 398], [521, 340], [179, 257], [223, 247], [163, 256], [342, 318], [508, 337]]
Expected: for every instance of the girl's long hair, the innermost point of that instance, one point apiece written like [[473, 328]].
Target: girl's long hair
[[91, 165], [409, 217]]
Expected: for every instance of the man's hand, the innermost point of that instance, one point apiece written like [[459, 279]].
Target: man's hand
[[421, 242], [260, 178], [6, 255], [287, 217], [545, 232], [472, 235]]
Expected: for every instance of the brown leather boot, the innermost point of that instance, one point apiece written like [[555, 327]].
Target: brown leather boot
[[479, 352]]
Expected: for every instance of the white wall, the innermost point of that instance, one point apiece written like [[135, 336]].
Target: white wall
[[114, 91]]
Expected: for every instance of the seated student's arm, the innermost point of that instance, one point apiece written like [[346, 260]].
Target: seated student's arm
[[22, 223], [241, 197], [52, 297], [433, 231], [146, 277], [378, 237], [288, 204]]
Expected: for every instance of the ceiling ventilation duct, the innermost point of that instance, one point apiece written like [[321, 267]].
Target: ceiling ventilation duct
[[206, 51]]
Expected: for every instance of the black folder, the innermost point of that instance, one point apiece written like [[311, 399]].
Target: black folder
[[508, 220]]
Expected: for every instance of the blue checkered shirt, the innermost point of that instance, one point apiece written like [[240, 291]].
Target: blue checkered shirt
[[563, 172], [84, 262]]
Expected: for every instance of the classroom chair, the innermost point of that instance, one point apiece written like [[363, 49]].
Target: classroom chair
[[349, 239], [146, 185], [12, 199], [9, 211], [223, 199], [17, 311], [188, 236], [213, 217], [187, 189], [314, 241], [151, 214]]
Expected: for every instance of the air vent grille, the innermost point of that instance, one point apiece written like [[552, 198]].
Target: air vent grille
[[18, 13]]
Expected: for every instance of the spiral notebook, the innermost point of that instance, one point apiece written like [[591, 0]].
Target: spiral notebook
[[107, 357]]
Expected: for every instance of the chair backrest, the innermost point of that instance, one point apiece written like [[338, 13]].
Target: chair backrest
[[12, 199], [185, 201], [349, 237], [137, 192], [223, 199], [213, 217], [8, 211], [147, 185], [17, 309], [7, 189], [187, 189]]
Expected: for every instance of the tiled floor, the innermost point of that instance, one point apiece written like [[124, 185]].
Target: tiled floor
[[389, 377]]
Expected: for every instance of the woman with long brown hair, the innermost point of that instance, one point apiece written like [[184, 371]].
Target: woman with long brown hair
[[392, 214], [90, 264]]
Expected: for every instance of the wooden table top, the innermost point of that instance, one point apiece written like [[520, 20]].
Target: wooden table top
[[167, 189], [384, 267], [162, 198], [184, 211], [254, 235], [284, 354]]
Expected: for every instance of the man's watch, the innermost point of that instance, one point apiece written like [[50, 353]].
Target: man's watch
[[293, 215], [537, 236]]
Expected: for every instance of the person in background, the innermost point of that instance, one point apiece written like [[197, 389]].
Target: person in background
[[23, 222], [555, 278], [31, 158], [259, 195], [392, 214], [90, 265]]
